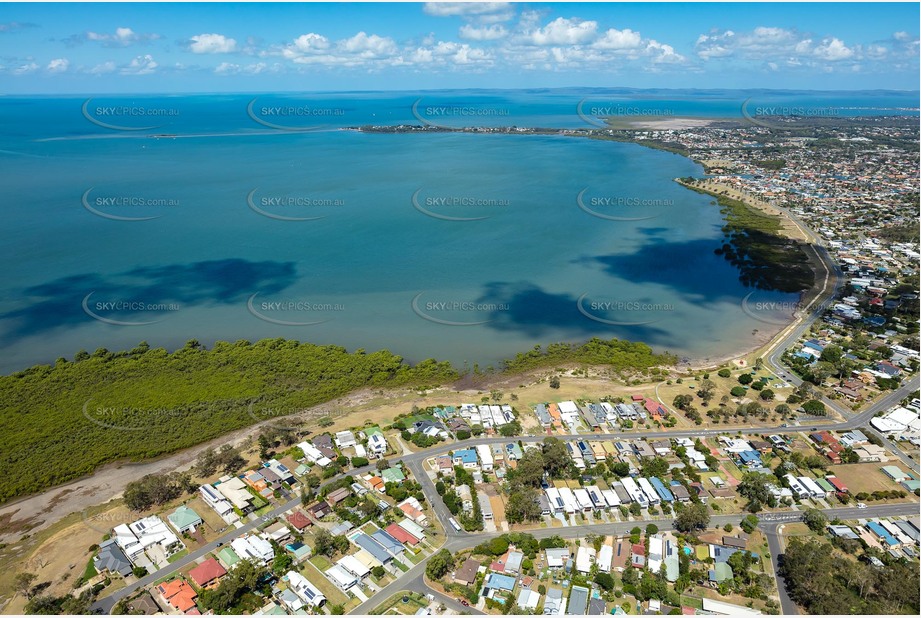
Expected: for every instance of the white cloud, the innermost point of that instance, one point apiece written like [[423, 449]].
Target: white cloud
[[482, 33], [833, 50], [619, 39], [141, 65], [311, 42], [122, 37], [368, 45], [228, 68], [25, 69], [483, 12], [103, 68], [212, 44], [58, 65], [562, 31]]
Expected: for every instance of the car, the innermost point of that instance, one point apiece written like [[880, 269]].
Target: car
[[861, 505], [220, 544], [464, 603]]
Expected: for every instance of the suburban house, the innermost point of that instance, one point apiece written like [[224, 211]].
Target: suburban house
[[112, 559], [178, 594], [207, 574], [184, 519]]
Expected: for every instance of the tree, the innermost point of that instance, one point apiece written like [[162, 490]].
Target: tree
[[724, 373], [604, 581], [754, 487], [23, 583], [382, 464], [554, 382], [815, 408], [521, 506], [682, 401], [654, 466], [748, 524], [323, 543], [745, 378], [359, 462], [815, 520], [737, 391], [556, 457], [439, 564], [378, 572], [621, 469], [695, 516], [767, 394]]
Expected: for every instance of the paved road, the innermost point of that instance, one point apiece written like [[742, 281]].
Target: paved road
[[772, 533]]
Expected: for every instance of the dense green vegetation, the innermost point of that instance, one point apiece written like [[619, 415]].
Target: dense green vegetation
[[60, 422], [63, 421], [824, 581], [621, 355], [766, 259]]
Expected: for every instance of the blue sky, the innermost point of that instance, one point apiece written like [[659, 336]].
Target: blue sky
[[115, 48]]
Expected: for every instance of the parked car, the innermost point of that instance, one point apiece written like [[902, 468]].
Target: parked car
[[861, 505]]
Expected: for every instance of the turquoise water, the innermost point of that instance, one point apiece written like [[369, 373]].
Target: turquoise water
[[210, 229]]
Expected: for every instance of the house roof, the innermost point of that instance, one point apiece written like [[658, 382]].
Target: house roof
[[299, 520], [184, 517], [207, 572], [500, 582], [228, 556], [179, 594], [467, 572], [721, 571], [401, 534], [111, 558], [578, 600]]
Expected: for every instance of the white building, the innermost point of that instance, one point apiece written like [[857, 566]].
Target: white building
[[570, 504], [215, 500], [585, 557], [137, 537], [485, 454], [254, 548], [354, 566], [651, 494], [605, 558], [306, 591], [343, 580], [610, 496], [377, 445], [234, 490], [636, 494], [585, 502], [345, 439]]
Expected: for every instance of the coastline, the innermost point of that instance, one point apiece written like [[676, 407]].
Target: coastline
[[114, 476]]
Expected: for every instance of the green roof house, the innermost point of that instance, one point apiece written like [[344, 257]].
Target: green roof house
[[184, 519]]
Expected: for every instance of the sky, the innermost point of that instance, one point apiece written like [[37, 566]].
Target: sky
[[203, 47]]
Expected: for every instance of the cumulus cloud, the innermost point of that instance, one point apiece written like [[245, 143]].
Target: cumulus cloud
[[23, 69], [619, 39], [103, 68], [563, 31], [833, 50], [482, 33], [58, 65], [122, 37], [483, 12], [141, 65], [228, 68], [212, 44]]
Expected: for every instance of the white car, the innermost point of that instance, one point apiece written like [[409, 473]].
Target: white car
[[861, 505]]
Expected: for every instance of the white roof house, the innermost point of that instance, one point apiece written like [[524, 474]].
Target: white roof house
[[377, 445], [234, 490], [413, 528], [136, 537], [306, 591], [344, 439], [341, 578], [605, 558], [354, 566], [610, 497], [215, 500], [585, 502], [485, 454], [528, 599], [584, 559], [570, 504], [254, 548]]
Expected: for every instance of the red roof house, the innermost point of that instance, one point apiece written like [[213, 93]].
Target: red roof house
[[207, 573], [400, 534], [299, 520]]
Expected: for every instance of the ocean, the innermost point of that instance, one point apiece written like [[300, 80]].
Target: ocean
[[226, 217]]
